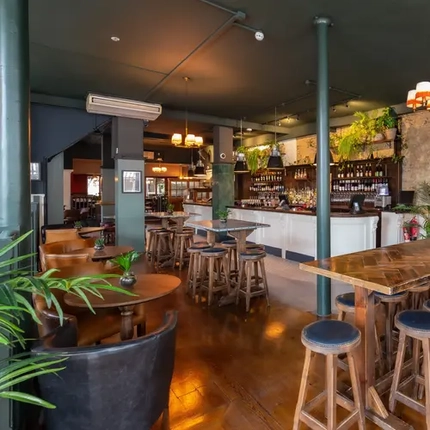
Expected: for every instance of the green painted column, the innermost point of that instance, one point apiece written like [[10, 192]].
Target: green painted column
[[323, 165], [222, 170], [127, 150]]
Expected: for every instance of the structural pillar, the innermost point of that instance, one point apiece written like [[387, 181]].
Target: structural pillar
[[323, 165], [127, 150], [107, 192], [14, 117], [222, 170]]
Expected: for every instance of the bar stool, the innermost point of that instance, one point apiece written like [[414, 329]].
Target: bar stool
[[418, 295], [345, 304], [151, 237], [215, 272], [231, 246], [182, 242], [250, 260], [194, 268], [163, 247], [416, 325], [330, 338], [392, 304], [426, 305]]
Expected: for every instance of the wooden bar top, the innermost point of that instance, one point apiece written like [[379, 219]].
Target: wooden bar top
[[387, 270]]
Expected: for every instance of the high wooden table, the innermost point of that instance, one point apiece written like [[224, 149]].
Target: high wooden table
[[147, 288], [387, 270], [238, 229], [89, 230], [178, 218]]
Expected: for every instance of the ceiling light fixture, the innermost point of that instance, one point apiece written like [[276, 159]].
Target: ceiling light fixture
[[191, 140], [419, 97], [115, 39], [159, 168], [248, 129], [275, 159], [241, 166]]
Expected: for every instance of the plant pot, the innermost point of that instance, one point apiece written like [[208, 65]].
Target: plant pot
[[170, 212], [127, 281], [391, 133], [378, 137], [99, 247], [223, 221]]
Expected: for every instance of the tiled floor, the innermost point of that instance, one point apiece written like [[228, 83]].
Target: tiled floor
[[238, 371]]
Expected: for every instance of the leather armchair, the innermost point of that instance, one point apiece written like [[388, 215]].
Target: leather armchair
[[120, 386], [91, 328]]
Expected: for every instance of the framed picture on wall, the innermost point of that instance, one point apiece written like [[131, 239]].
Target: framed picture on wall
[[131, 181]]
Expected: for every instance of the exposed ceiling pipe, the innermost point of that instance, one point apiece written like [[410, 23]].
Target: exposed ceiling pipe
[[238, 16]]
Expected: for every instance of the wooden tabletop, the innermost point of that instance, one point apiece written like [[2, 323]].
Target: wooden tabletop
[[231, 225], [178, 214], [147, 288], [106, 253], [88, 230], [388, 270]]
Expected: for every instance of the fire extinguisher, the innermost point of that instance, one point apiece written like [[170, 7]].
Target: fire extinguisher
[[414, 228]]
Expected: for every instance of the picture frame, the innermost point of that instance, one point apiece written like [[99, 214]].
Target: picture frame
[[131, 181]]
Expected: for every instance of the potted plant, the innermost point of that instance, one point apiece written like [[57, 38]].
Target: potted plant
[[16, 287], [170, 208], [99, 244], [223, 215], [387, 123], [125, 262], [78, 225]]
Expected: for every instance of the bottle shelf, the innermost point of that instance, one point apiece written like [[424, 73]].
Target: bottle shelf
[[360, 177]]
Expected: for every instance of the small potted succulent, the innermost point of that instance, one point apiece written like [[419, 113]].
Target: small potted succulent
[[170, 209], [78, 225], [99, 244], [223, 215], [125, 262]]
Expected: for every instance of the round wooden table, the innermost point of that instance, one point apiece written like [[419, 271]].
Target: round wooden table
[[147, 288], [106, 253]]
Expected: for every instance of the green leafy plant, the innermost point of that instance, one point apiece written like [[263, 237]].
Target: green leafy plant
[[15, 288], [125, 261], [170, 207], [99, 243], [387, 120], [223, 214], [78, 225]]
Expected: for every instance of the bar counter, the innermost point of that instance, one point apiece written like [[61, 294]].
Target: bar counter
[[292, 234]]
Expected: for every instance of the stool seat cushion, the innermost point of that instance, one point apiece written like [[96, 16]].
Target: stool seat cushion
[[200, 246], [401, 295], [252, 251], [347, 299], [426, 305], [214, 250], [330, 335], [415, 320], [229, 242]]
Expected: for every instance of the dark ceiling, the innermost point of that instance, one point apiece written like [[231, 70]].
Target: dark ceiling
[[377, 51]]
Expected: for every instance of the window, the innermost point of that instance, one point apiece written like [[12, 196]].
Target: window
[[35, 171], [177, 188], [93, 185]]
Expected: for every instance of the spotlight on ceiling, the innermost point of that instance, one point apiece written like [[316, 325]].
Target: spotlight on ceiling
[[249, 129], [259, 35], [333, 108], [115, 39]]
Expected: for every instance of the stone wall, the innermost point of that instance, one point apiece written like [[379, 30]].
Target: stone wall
[[415, 129]]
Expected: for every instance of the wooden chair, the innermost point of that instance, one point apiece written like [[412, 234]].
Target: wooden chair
[[62, 248], [56, 261], [414, 324], [60, 235], [330, 338]]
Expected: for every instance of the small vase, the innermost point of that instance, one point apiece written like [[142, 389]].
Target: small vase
[[127, 281], [170, 212], [391, 133], [99, 247], [223, 221]]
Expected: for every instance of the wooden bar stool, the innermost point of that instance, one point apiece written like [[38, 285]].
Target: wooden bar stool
[[392, 305], [426, 305], [255, 285], [416, 325], [345, 304], [163, 247], [151, 238], [418, 295], [330, 338], [215, 272], [250, 246], [231, 246], [183, 241], [194, 268]]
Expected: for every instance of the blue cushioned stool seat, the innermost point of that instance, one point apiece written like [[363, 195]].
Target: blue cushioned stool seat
[[415, 323], [200, 246], [229, 242], [347, 300], [426, 305], [330, 336], [392, 297], [253, 253], [214, 250]]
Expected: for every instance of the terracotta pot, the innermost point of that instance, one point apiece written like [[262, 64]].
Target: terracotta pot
[[391, 133]]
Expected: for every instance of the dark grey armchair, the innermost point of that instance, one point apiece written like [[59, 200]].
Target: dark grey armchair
[[118, 386]]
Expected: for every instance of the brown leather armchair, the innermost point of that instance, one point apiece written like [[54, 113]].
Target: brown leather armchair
[[91, 328]]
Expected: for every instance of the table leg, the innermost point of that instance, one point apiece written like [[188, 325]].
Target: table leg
[[365, 321], [210, 238], [165, 223], [127, 328], [240, 237], [179, 224]]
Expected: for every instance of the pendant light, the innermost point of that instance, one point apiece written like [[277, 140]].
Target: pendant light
[[191, 167], [200, 169], [241, 165], [275, 159], [332, 163]]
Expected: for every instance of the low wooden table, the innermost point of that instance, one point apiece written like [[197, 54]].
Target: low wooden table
[[106, 253], [387, 270], [238, 229], [147, 288]]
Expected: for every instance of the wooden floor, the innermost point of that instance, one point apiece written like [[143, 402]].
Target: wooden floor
[[238, 371]]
